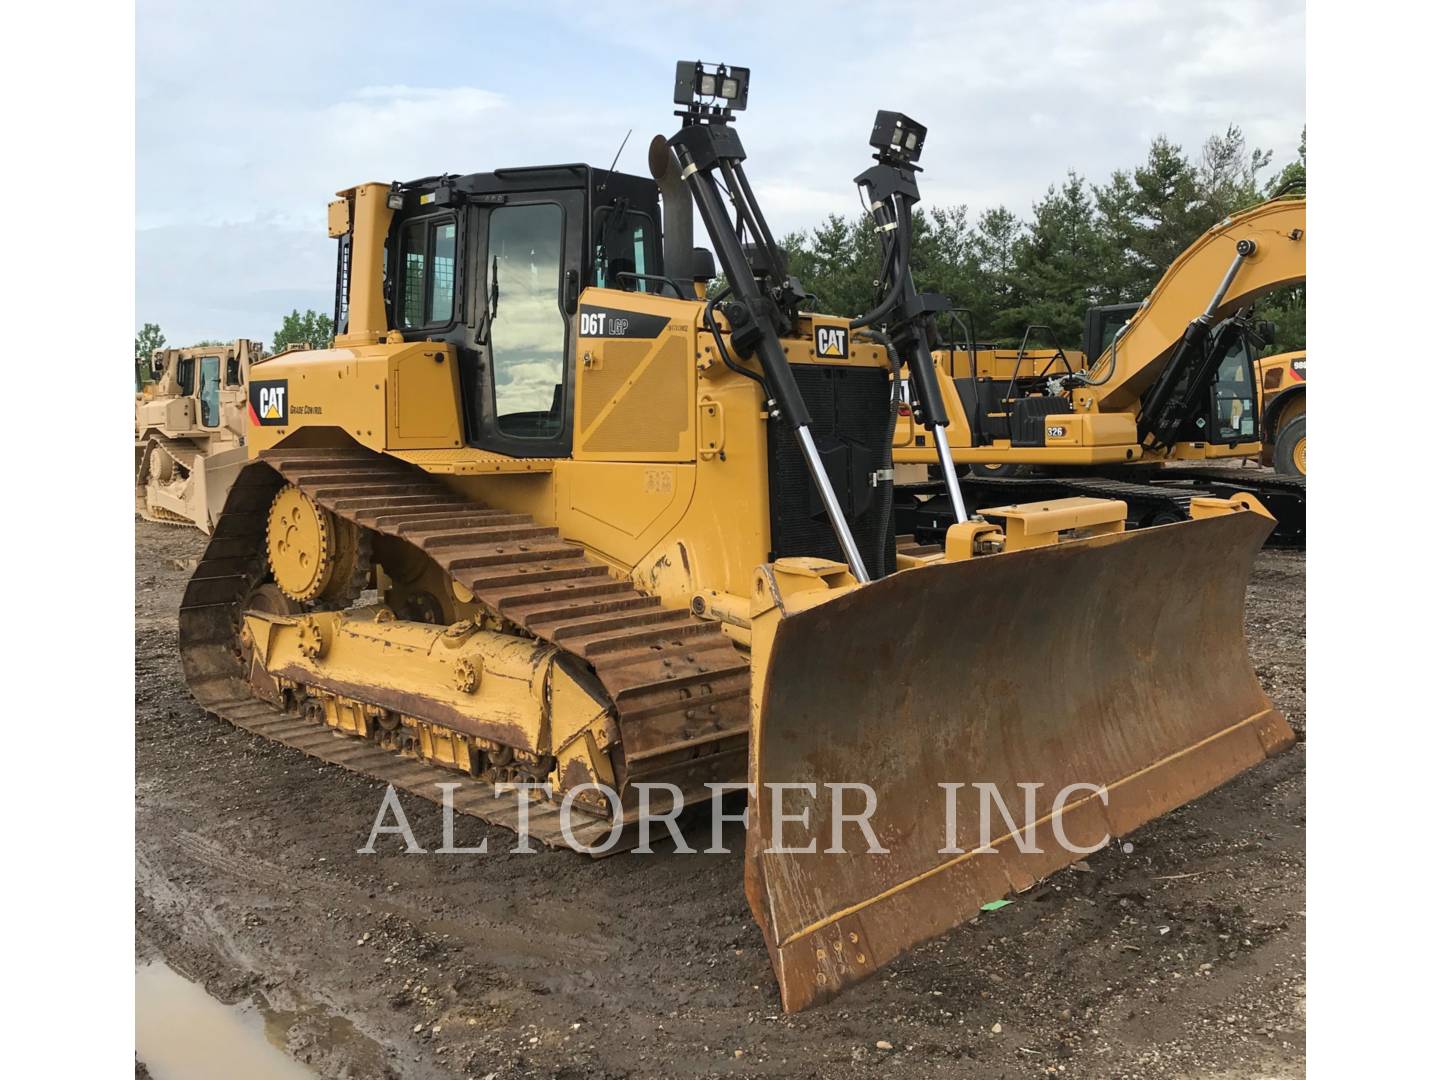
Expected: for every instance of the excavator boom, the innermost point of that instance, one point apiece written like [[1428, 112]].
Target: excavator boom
[[1239, 260]]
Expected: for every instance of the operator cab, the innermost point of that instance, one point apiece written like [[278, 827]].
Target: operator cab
[[494, 263], [1102, 325], [1232, 396], [1227, 415], [199, 375]]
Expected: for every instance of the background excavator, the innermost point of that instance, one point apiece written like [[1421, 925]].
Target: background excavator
[[189, 431], [622, 535], [1170, 380]]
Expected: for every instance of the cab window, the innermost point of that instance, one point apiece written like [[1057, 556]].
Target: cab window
[[1234, 396], [210, 391], [232, 371], [427, 273], [528, 325], [1113, 324], [185, 375], [624, 243]]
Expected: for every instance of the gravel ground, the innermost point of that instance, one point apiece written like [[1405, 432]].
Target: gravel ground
[[1182, 958]]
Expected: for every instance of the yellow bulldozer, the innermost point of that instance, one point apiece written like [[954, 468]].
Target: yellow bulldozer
[[1281, 380], [189, 431], [632, 545]]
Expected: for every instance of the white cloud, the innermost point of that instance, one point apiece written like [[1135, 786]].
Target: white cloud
[[1014, 95]]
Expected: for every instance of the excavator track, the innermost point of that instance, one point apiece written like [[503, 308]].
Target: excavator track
[[1283, 496], [1163, 499], [678, 685]]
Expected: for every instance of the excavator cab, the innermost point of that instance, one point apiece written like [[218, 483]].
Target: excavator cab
[[1103, 324], [1233, 404], [1212, 403]]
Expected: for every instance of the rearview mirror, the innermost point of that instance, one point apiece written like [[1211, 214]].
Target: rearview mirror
[[1265, 331], [702, 264]]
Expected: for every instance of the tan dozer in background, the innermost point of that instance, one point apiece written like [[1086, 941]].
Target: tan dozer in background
[[629, 542], [190, 432]]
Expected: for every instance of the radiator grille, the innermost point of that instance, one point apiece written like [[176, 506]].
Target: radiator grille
[[850, 410]]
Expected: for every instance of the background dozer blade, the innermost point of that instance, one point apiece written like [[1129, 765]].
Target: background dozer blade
[[1118, 660], [216, 478]]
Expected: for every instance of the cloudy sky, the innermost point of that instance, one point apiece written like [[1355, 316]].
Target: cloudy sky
[[250, 116]]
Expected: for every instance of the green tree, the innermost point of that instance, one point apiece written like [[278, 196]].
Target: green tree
[[1148, 216], [1293, 172], [146, 342], [312, 329], [1055, 262], [1286, 307], [1228, 173], [1082, 244], [988, 284]]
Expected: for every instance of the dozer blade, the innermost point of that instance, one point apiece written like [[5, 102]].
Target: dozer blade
[[1117, 661], [216, 478]]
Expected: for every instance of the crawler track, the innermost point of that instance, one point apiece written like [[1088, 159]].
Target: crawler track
[[680, 687], [184, 454], [1164, 497]]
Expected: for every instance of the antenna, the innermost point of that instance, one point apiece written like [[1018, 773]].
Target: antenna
[[622, 148]]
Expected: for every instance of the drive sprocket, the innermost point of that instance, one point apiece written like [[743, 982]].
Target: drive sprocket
[[315, 557]]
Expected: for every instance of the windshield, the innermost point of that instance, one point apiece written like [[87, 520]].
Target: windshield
[[1234, 396], [210, 391], [624, 244]]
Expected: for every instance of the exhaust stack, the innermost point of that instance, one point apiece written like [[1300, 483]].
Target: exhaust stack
[[679, 243]]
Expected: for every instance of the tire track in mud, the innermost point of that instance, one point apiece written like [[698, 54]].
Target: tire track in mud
[[548, 942]]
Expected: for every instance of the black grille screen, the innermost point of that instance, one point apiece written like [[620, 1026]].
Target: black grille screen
[[850, 411]]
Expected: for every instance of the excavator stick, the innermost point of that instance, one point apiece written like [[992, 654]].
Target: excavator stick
[[1108, 676]]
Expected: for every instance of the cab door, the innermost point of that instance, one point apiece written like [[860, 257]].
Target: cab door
[[524, 396], [1233, 409]]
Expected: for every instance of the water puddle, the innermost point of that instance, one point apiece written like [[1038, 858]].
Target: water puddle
[[182, 1033]]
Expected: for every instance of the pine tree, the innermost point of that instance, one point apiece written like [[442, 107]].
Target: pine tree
[[1056, 259]]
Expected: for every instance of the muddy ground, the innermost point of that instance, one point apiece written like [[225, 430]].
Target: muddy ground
[[1184, 957]]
